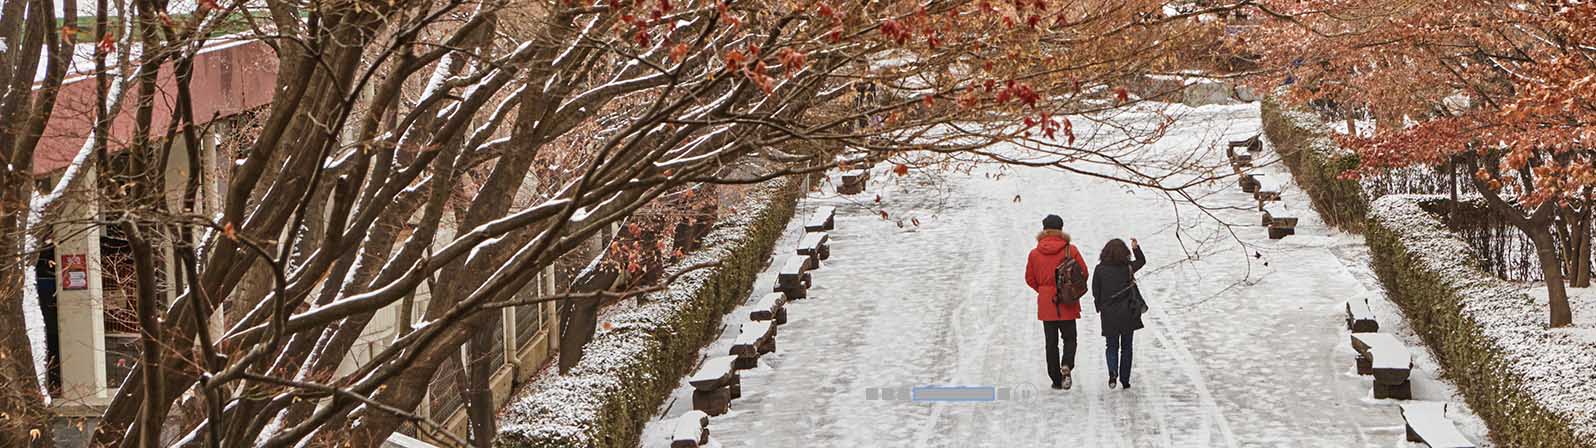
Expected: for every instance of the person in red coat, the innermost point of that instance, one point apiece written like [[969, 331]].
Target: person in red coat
[[1058, 320]]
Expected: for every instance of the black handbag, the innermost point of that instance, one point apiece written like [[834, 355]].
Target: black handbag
[[1137, 303]]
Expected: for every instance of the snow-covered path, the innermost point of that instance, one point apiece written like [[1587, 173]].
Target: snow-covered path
[[1240, 350]]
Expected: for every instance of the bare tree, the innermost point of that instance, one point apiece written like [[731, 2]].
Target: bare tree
[[399, 135]]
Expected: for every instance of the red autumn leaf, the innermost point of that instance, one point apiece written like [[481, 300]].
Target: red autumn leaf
[[878, 199], [901, 170], [678, 52], [928, 100], [836, 35], [642, 38], [792, 60], [884, 215], [1121, 94], [825, 10], [735, 59], [633, 229], [107, 44]]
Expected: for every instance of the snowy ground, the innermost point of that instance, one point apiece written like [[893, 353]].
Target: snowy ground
[[1246, 343]]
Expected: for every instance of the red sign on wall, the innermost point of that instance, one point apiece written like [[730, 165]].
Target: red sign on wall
[[74, 271]]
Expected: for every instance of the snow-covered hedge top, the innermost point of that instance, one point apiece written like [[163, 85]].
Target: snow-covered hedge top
[[566, 407], [1309, 121], [1556, 367]]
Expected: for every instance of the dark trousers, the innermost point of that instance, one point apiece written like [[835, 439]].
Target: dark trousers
[[1055, 330], [1119, 356]]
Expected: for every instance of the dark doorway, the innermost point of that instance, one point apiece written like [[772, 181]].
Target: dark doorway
[[44, 271]]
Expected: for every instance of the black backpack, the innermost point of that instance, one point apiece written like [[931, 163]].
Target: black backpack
[[1069, 279]]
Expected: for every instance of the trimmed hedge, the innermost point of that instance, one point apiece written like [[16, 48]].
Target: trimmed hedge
[[1316, 162], [1522, 379], [1488, 335], [628, 370]]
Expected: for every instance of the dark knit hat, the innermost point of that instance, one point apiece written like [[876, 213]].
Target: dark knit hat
[[1052, 222]]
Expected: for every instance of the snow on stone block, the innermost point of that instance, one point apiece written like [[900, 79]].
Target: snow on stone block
[[853, 182], [770, 307], [811, 243], [1268, 190], [1239, 160], [1360, 318], [1274, 216], [812, 246], [714, 373], [1427, 423], [753, 339], [1248, 182], [1251, 144], [795, 273], [1389, 358], [824, 219], [691, 431], [1280, 223]]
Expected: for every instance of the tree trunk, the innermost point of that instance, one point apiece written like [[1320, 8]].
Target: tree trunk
[[152, 415], [1582, 246], [1557, 294], [1538, 225], [578, 321], [20, 396], [480, 408]]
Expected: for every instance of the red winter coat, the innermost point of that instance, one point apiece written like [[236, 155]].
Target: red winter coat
[[1051, 248]]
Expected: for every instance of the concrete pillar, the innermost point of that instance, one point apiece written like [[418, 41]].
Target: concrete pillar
[[80, 299]]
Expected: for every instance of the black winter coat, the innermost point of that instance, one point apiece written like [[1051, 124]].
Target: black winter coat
[[1111, 293]]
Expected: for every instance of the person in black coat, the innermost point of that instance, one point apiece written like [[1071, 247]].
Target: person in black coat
[[1120, 305]]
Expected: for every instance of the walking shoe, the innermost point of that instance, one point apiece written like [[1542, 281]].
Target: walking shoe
[[1125, 385], [1058, 386], [1068, 382], [1113, 382]]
